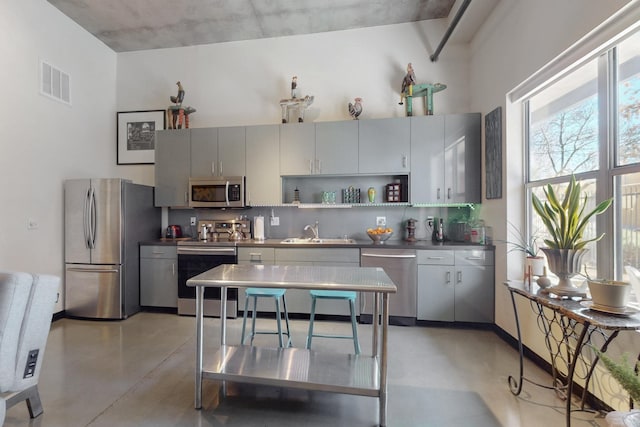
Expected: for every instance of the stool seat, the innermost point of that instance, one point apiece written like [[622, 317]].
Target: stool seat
[[346, 295], [349, 296], [276, 294], [264, 292]]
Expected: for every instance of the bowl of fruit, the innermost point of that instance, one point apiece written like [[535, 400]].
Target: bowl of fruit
[[379, 235]]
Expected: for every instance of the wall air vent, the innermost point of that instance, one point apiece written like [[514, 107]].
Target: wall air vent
[[54, 83]]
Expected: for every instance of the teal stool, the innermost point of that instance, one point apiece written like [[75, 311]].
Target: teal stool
[[276, 294], [337, 295]]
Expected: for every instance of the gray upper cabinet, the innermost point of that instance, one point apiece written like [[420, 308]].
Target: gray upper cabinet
[[446, 159], [172, 168], [263, 165], [384, 146], [463, 158], [427, 159], [231, 151], [218, 151], [297, 148], [336, 148], [204, 151]]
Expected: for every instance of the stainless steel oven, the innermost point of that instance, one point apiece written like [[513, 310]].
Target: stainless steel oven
[[195, 258]]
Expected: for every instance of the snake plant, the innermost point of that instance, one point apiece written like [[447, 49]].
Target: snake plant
[[567, 220]]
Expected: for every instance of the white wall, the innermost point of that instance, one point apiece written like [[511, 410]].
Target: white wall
[[43, 141], [241, 83], [520, 38]]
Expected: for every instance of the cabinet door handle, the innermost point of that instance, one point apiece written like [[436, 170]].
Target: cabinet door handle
[[173, 268], [318, 166], [213, 168], [220, 168], [459, 276], [186, 197], [448, 279], [438, 196], [435, 257], [449, 193], [255, 256], [157, 253], [474, 258], [404, 161], [310, 166]]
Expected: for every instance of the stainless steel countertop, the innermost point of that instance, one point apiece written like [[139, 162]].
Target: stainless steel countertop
[[361, 279], [277, 243]]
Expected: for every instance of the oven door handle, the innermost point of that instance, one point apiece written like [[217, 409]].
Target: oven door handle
[[206, 251]]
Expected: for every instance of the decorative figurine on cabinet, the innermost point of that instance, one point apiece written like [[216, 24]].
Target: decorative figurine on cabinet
[[177, 115], [355, 109], [295, 103], [411, 89]]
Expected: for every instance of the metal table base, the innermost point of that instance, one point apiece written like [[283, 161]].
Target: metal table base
[[569, 329], [364, 375]]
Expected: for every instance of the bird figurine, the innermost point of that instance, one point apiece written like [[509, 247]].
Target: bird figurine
[[355, 109], [180, 96], [407, 83]]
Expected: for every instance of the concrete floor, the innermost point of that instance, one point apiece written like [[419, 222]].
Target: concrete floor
[[140, 372]]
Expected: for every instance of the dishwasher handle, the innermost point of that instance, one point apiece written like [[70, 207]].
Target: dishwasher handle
[[407, 256]]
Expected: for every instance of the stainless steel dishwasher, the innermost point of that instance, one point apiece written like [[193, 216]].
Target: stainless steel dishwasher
[[401, 266]]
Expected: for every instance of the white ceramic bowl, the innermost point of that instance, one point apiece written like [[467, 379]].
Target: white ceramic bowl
[[609, 293]]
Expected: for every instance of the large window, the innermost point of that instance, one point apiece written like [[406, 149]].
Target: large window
[[587, 124]]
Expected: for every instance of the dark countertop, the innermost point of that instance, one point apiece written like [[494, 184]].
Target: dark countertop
[[391, 244]]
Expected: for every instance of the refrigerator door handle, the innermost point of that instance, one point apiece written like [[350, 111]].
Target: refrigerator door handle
[[85, 219], [92, 218], [93, 270]]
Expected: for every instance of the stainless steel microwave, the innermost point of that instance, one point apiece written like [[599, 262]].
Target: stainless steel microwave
[[217, 192]]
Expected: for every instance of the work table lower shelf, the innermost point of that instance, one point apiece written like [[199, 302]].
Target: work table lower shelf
[[295, 368]]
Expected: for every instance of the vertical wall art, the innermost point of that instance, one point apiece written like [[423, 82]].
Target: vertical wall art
[[493, 153], [137, 136]]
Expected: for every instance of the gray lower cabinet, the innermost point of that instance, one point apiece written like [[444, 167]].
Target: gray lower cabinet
[[159, 276], [256, 256], [456, 285], [173, 167], [299, 301]]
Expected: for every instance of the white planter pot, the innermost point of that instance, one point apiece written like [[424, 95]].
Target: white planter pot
[[536, 264]]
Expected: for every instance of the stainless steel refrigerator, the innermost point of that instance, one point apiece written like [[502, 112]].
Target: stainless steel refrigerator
[[105, 219]]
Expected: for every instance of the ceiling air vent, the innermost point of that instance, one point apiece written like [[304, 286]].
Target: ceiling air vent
[[55, 83]]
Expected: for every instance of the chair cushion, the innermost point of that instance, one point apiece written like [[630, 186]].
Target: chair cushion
[[15, 289]]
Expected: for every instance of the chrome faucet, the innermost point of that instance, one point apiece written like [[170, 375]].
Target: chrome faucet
[[313, 228]]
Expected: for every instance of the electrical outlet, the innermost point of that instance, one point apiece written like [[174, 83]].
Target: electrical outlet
[[32, 224], [193, 220], [381, 221], [275, 220]]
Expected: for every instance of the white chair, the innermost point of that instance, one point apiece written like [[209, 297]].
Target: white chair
[[26, 308], [634, 278]]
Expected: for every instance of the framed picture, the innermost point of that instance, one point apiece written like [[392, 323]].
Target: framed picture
[[136, 141], [493, 153]]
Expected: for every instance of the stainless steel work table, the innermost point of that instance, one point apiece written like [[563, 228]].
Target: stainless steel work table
[[364, 375]]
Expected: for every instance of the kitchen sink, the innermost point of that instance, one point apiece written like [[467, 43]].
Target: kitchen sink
[[311, 241]]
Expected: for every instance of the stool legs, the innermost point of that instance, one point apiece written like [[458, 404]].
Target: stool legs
[[354, 327], [311, 317], [254, 311]]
